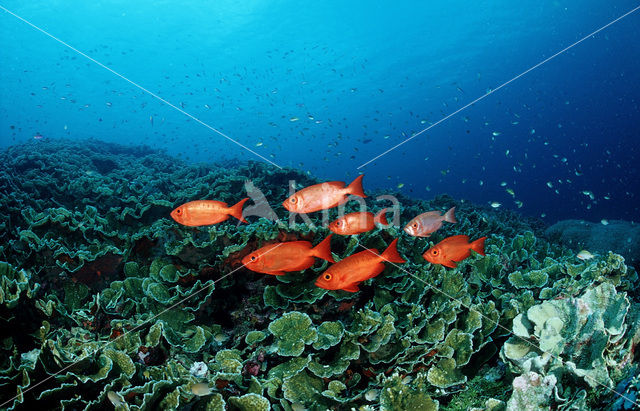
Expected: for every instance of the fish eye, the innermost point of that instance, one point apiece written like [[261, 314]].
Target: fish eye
[[434, 252], [327, 277], [179, 211], [253, 258], [338, 223], [414, 225]]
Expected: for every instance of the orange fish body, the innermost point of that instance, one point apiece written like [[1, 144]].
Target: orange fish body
[[207, 212], [323, 196], [453, 249], [358, 222], [277, 259], [426, 223], [348, 273]]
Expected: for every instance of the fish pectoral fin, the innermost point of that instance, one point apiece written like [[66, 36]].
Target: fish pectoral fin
[[450, 264], [353, 288]]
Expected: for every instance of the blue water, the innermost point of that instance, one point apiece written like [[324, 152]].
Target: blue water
[[359, 77]]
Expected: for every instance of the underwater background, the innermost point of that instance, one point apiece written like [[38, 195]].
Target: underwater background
[[107, 302]]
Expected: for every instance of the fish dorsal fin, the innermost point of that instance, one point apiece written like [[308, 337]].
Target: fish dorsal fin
[[456, 239], [432, 214]]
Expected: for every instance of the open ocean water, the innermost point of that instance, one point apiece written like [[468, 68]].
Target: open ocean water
[[359, 78], [525, 113]]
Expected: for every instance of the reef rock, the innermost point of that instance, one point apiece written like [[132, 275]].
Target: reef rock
[[531, 392], [621, 237]]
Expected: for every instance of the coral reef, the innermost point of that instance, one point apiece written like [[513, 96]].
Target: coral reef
[[575, 342], [107, 302]]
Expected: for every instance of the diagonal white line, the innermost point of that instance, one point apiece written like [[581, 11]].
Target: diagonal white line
[[468, 307], [498, 88], [141, 88], [128, 331]]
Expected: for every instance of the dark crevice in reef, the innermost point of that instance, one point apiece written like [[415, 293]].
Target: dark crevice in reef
[[104, 166]]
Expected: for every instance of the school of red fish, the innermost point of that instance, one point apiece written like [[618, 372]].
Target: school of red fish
[[348, 273]]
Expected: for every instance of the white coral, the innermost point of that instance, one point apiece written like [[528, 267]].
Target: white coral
[[199, 369]]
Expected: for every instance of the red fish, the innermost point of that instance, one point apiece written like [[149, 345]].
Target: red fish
[[358, 222], [453, 249], [348, 273], [426, 223], [276, 259], [323, 196], [207, 212]]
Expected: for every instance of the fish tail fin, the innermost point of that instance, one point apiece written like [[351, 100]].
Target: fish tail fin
[[478, 245], [449, 216], [381, 218], [236, 210], [391, 254], [323, 250], [355, 188]]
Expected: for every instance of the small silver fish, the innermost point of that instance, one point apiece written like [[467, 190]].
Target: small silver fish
[[115, 398], [584, 255], [201, 389]]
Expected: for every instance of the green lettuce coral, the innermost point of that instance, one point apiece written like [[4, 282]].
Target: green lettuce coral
[[119, 306], [292, 332]]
